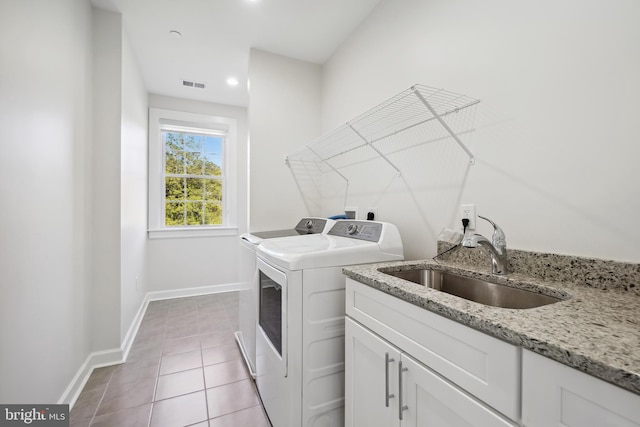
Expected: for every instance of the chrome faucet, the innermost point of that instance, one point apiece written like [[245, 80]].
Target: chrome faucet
[[497, 247]]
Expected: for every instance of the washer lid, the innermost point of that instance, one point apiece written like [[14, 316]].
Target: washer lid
[[309, 225], [320, 250]]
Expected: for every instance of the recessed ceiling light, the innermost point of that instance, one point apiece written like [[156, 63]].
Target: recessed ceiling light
[[232, 81], [175, 34]]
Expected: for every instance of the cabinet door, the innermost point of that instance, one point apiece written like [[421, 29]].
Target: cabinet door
[[432, 401], [371, 370], [557, 395]]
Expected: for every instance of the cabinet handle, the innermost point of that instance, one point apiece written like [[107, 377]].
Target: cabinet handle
[[387, 396], [401, 406]]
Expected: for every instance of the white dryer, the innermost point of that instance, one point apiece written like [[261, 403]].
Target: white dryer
[[300, 333]]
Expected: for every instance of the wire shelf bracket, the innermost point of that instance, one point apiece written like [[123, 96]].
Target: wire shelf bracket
[[444, 124], [385, 158]]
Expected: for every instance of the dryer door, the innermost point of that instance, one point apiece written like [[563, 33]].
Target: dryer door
[[272, 379], [272, 311], [272, 316]]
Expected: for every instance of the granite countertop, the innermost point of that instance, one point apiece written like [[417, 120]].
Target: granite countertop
[[596, 331]]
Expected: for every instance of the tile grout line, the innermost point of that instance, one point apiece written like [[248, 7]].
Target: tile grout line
[[155, 390], [204, 379], [104, 392]]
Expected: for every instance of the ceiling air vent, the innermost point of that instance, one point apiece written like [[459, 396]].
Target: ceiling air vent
[[193, 84]]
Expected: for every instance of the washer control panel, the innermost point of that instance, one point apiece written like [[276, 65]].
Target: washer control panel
[[363, 230], [311, 225]]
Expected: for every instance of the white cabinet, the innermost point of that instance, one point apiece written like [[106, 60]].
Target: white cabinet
[[457, 376], [556, 395], [397, 358], [380, 380], [370, 376]]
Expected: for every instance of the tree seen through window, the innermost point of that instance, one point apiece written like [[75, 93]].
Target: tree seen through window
[[193, 179]]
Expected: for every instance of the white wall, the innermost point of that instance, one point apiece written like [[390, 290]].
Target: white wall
[[107, 118], [180, 263], [45, 116], [133, 188], [556, 131], [284, 112], [73, 156], [119, 183]]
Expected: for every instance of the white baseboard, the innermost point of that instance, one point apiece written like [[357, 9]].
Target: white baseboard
[[133, 328], [191, 292], [95, 360], [116, 356]]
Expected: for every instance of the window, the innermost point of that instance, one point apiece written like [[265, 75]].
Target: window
[[194, 181], [191, 184]]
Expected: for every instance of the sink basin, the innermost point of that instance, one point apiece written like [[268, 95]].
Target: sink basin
[[476, 290]]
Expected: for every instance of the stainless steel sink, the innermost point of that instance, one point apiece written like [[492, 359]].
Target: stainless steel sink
[[476, 290]]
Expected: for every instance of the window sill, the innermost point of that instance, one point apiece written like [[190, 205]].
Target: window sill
[[172, 233]]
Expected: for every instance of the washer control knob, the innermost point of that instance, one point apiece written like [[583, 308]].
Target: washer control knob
[[352, 229], [309, 224]]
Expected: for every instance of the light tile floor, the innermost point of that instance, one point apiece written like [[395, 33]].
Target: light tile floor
[[184, 369]]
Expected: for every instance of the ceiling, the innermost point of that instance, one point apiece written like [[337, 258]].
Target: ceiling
[[216, 36]]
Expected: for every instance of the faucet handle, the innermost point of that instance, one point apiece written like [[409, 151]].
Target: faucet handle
[[498, 239]]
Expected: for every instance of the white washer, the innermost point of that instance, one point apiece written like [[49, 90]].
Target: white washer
[[300, 333], [248, 296]]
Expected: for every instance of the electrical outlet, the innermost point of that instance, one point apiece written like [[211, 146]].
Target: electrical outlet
[[374, 211], [469, 212]]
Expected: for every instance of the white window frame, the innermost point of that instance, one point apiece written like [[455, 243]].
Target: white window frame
[[160, 119]]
